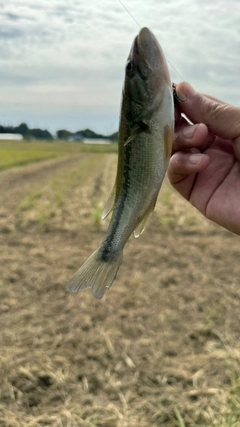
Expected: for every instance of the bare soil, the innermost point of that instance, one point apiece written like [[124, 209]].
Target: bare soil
[[163, 341]]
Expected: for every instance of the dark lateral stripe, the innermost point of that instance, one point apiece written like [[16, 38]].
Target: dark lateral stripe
[[108, 252]]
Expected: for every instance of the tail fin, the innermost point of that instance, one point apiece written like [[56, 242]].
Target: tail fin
[[95, 274]]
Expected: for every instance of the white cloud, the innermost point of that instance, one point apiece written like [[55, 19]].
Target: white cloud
[[62, 57]]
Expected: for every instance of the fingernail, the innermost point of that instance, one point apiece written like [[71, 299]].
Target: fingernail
[[185, 91], [189, 131], [195, 159]]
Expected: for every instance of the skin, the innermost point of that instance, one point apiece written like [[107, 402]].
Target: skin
[[205, 163]]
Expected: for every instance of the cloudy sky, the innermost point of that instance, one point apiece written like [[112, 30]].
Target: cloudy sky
[[62, 62]]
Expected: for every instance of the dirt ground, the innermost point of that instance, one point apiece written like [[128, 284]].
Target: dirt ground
[[160, 349]]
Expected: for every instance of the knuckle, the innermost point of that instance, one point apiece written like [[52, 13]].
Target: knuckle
[[211, 108]]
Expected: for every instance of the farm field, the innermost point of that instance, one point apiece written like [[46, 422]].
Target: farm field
[[18, 153], [162, 347]]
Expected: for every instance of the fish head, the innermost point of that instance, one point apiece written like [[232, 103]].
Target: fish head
[[146, 79]]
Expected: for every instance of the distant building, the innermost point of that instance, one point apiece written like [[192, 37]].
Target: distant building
[[96, 141], [80, 138], [11, 136], [76, 137]]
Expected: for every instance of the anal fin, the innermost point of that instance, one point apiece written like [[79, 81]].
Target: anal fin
[[110, 203], [142, 224]]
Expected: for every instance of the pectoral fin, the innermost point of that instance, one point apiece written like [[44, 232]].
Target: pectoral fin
[[110, 203], [132, 137], [141, 127]]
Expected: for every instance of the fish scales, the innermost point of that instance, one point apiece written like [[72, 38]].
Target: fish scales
[[139, 177], [144, 149]]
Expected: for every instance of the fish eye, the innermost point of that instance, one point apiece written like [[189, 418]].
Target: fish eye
[[129, 67]]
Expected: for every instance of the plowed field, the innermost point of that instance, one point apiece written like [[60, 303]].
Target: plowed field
[[161, 348]]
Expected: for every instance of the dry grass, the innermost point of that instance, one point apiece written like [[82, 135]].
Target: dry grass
[[161, 349]]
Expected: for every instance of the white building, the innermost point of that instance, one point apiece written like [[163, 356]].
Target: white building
[[95, 141], [11, 136]]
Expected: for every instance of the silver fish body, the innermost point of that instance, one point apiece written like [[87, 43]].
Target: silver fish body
[[145, 144]]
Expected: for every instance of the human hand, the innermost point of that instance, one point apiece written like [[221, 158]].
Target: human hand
[[205, 164]]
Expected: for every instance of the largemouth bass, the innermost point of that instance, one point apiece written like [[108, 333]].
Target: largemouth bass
[[145, 144]]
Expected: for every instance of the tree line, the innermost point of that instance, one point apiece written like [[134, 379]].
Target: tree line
[[62, 134]]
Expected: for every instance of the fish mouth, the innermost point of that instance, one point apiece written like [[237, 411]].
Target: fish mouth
[[145, 41], [144, 49], [147, 57], [145, 36], [141, 41]]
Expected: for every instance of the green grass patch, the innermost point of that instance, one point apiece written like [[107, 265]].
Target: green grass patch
[[180, 419], [173, 212], [48, 207], [97, 214], [18, 153]]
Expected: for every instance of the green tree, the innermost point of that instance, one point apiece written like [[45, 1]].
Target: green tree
[[22, 129], [40, 134], [63, 134]]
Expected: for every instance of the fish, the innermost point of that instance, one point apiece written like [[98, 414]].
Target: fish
[[144, 148]]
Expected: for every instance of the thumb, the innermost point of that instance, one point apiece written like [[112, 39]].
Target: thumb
[[222, 119]]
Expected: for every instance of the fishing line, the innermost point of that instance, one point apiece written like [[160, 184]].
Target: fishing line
[[129, 13], [123, 5]]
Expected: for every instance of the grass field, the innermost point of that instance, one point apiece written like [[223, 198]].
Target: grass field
[[18, 153], [162, 347]]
